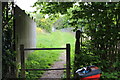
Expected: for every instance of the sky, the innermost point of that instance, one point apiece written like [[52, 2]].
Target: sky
[[25, 4]]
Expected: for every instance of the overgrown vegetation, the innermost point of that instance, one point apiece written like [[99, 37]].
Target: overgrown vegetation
[[8, 53], [44, 59], [100, 22]]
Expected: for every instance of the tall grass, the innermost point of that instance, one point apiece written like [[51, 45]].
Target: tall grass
[[44, 59]]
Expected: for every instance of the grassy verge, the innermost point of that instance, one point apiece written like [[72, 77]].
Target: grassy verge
[[44, 59]]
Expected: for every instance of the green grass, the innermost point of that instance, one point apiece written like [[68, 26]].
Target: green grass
[[44, 59]]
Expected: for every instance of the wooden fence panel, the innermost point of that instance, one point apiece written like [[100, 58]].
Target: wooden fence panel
[[22, 61], [25, 31]]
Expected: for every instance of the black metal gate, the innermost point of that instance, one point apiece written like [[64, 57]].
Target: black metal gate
[[23, 69]]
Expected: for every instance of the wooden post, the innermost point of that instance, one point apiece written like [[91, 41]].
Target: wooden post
[[22, 61], [77, 50], [68, 61], [77, 43]]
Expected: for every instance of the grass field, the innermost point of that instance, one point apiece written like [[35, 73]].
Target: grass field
[[44, 59]]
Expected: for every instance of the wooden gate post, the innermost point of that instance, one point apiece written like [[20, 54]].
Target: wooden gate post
[[22, 61], [77, 50], [68, 61]]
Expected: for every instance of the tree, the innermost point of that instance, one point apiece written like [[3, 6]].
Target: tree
[[52, 7], [43, 22], [62, 22], [101, 22]]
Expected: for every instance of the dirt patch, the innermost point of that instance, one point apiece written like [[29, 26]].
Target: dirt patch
[[56, 74]]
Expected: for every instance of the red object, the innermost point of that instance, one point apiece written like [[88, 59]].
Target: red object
[[93, 77]]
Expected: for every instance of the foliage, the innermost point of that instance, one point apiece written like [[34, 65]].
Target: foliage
[[96, 14], [45, 21], [62, 22], [53, 7], [44, 59], [8, 53], [100, 22], [42, 22], [111, 76], [55, 11]]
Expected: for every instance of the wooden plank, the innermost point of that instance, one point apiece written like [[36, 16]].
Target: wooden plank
[[68, 61], [44, 48], [22, 61], [43, 69]]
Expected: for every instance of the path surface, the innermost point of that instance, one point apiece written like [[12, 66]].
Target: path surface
[[57, 74]]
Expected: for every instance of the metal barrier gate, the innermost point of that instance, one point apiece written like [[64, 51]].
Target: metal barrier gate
[[23, 69]]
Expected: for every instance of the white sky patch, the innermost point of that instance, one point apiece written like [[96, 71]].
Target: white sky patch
[[76, 4], [26, 4], [46, 16]]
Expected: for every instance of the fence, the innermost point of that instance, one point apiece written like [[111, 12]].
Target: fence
[[25, 30], [23, 69], [105, 45], [105, 49]]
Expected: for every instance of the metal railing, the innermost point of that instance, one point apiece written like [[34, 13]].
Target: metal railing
[[23, 69]]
